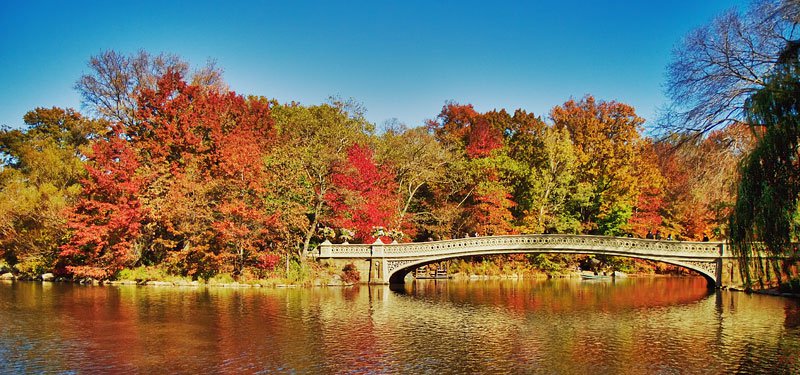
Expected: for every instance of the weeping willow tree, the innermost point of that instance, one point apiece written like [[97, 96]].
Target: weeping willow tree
[[765, 221]]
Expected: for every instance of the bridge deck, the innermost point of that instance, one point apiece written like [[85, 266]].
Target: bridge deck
[[632, 246]]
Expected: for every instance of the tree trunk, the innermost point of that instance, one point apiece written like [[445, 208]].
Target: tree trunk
[[312, 227]]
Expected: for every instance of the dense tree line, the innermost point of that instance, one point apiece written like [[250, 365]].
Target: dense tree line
[[171, 169], [741, 72]]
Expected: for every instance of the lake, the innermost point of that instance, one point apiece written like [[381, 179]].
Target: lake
[[662, 325]]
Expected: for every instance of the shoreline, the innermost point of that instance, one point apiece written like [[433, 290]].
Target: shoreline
[[332, 281], [336, 281], [192, 284]]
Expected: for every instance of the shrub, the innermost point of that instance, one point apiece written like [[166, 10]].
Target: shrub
[[545, 263], [33, 266], [142, 273], [267, 261], [222, 278], [299, 272], [350, 274]]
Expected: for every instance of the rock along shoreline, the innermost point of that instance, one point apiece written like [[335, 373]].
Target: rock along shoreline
[[50, 278]]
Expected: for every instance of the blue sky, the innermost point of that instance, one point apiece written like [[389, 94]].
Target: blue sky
[[401, 59]]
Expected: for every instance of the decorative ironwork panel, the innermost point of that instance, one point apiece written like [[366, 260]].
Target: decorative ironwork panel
[[632, 246], [709, 267], [392, 265], [355, 251]]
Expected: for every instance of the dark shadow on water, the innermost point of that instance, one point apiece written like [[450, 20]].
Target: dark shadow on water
[[400, 288]]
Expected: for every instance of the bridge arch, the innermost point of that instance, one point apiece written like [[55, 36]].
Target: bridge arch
[[398, 275]]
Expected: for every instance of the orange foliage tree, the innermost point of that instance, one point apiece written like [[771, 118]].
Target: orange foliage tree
[[202, 152], [475, 195], [700, 178], [650, 205], [607, 145]]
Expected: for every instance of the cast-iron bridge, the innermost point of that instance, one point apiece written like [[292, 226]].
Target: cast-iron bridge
[[390, 263]]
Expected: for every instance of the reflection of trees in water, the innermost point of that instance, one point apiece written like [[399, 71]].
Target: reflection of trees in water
[[485, 326], [565, 295], [747, 363], [755, 359], [788, 352], [657, 325], [792, 313]]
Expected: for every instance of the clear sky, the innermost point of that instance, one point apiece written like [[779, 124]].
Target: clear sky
[[401, 59]]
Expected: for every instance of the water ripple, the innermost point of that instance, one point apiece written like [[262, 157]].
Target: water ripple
[[653, 326]]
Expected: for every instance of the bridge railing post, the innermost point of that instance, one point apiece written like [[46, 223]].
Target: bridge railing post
[[377, 248], [325, 249]]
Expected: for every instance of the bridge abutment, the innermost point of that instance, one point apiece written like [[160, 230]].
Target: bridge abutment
[[730, 274], [368, 260]]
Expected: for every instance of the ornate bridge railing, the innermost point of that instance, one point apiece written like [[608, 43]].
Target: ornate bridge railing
[[397, 259]]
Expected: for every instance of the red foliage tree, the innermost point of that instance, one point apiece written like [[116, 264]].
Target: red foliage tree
[[483, 139], [108, 217], [363, 195], [462, 125], [647, 215], [227, 134]]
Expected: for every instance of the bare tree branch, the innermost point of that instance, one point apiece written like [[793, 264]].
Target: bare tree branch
[[718, 66], [115, 80]]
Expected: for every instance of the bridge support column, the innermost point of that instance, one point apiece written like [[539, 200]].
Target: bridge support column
[[377, 272]]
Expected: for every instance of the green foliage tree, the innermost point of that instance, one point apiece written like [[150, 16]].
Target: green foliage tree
[[312, 140], [765, 217], [607, 145], [551, 184], [418, 161], [40, 177]]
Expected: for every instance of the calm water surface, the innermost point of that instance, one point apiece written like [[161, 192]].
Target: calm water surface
[[633, 326]]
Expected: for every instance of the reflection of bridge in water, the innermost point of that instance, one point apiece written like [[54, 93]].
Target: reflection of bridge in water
[[390, 263]]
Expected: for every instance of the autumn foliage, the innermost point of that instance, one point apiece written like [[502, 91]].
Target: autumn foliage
[[108, 217], [364, 196], [185, 180], [203, 153], [199, 180]]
